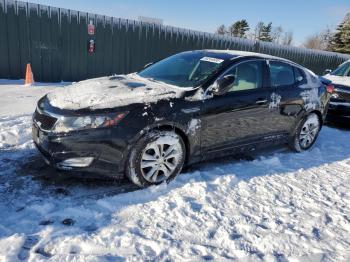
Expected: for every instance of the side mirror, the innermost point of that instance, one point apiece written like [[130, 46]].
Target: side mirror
[[222, 85], [327, 71], [147, 65]]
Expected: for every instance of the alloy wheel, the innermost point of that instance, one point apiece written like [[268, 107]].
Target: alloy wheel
[[309, 131], [160, 158]]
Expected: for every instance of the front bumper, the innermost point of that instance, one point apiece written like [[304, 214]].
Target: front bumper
[[106, 154]]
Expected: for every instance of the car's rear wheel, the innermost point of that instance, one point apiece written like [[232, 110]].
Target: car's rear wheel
[[157, 157], [306, 133]]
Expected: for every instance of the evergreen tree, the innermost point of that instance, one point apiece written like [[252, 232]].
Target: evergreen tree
[[340, 41], [239, 28], [345, 37], [266, 33], [336, 42], [234, 29], [243, 29]]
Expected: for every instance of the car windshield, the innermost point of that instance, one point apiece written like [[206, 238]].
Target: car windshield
[[342, 70], [189, 69]]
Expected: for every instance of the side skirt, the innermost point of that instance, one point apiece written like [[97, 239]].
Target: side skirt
[[247, 146]]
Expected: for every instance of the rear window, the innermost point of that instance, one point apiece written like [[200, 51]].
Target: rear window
[[281, 74]]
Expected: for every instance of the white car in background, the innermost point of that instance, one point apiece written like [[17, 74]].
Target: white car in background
[[339, 107]]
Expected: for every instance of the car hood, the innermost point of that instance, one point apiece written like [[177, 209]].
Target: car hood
[[111, 92], [339, 80]]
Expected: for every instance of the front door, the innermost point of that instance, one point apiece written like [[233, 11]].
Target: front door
[[240, 116]]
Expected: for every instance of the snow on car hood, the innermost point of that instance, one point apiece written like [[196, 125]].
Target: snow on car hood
[[110, 92], [340, 80]]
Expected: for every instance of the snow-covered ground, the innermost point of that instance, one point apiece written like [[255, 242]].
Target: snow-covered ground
[[279, 206], [24, 97]]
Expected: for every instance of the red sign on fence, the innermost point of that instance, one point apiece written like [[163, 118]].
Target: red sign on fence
[[91, 29]]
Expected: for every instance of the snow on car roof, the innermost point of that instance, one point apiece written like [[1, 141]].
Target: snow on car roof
[[246, 53]]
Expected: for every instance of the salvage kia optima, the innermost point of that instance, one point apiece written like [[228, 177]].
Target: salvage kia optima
[[187, 108]]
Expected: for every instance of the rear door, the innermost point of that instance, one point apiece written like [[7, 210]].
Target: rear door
[[289, 85], [241, 116]]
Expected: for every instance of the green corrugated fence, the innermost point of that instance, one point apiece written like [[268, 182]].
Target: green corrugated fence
[[55, 42]]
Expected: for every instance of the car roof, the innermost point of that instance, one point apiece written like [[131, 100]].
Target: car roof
[[237, 53]]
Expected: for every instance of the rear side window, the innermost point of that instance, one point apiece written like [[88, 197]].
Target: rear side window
[[299, 75], [281, 74]]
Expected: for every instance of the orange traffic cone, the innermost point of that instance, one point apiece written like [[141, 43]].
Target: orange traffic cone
[[29, 76]]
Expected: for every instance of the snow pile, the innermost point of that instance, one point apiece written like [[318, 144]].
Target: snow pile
[[14, 131], [9, 247], [109, 92], [282, 206]]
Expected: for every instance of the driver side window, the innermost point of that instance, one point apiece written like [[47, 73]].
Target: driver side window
[[248, 75]]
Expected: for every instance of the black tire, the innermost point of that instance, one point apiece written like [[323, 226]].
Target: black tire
[[296, 143], [136, 174]]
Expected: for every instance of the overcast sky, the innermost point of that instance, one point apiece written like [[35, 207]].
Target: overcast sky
[[303, 17]]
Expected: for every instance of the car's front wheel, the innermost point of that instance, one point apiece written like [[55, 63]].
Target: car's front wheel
[[157, 157], [306, 133]]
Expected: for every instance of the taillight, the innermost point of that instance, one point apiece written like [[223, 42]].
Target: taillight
[[330, 88]]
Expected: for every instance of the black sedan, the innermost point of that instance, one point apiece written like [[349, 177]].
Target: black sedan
[[339, 108], [187, 108]]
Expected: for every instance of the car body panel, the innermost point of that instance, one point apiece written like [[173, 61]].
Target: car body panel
[[235, 117]]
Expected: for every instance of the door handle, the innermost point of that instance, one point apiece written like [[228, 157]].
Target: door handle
[[261, 101]]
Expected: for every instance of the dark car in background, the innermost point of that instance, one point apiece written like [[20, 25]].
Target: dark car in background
[[190, 107], [339, 108]]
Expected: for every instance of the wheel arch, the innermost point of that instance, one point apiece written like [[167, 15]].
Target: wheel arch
[[293, 136], [130, 156], [181, 133], [302, 116], [166, 126], [319, 115]]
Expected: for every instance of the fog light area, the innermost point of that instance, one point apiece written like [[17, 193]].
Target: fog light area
[[76, 162]]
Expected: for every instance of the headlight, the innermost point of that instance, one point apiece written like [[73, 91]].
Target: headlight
[[67, 124]]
